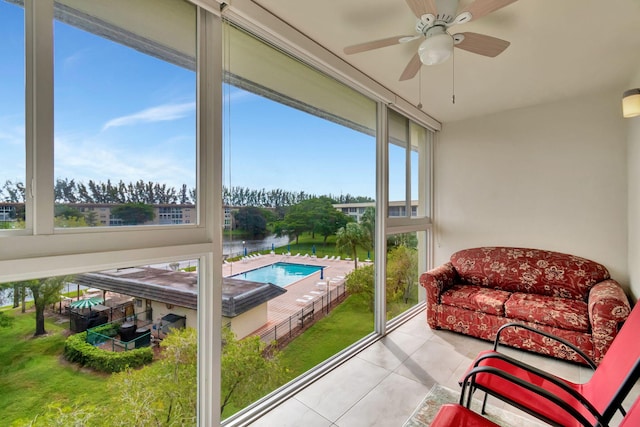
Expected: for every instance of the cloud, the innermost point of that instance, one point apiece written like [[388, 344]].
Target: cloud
[[83, 158], [160, 113]]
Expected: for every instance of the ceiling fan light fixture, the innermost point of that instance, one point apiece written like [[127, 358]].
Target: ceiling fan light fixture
[[436, 49], [631, 103]]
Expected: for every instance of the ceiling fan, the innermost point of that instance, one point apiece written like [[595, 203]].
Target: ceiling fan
[[434, 19]]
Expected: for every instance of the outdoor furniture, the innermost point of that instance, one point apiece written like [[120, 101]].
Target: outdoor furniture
[[553, 399], [142, 337], [456, 415], [481, 289], [127, 331]]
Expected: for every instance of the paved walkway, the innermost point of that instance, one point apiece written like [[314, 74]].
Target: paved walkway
[[299, 293]]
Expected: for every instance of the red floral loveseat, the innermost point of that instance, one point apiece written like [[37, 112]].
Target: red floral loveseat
[[481, 289]]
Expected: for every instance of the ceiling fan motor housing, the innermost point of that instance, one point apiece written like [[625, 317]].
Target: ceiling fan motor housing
[[437, 47]]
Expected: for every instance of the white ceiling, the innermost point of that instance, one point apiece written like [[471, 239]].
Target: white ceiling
[[559, 48]]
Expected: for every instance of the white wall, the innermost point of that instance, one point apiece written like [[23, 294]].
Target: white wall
[[633, 149], [551, 176], [249, 321], [159, 310]]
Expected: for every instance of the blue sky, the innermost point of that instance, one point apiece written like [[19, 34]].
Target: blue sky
[[123, 115]]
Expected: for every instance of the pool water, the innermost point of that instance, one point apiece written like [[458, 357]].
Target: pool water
[[280, 273]]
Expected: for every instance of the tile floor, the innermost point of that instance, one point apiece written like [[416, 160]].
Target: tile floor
[[384, 383]]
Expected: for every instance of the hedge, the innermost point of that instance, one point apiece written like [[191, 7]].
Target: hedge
[[77, 350]]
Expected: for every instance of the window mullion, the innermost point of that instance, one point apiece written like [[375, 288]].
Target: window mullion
[[209, 185], [382, 202], [407, 186], [39, 195]]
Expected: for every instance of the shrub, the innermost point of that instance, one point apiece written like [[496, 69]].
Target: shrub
[[108, 329], [77, 350]]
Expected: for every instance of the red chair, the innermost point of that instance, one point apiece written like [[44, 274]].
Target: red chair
[[456, 415], [555, 400]]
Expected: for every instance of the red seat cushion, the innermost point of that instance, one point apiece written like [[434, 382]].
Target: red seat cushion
[[557, 312], [525, 398], [454, 415], [476, 298]]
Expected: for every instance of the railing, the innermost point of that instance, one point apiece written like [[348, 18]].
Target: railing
[[293, 326], [106, 333]]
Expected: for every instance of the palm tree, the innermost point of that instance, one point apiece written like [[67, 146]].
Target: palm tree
[[349, 237]]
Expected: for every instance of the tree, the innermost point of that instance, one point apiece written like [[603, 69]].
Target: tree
[[402, 272], [361, 282], [247, 372], [133, 213], [324, 218], [295, 222], [66, 211], [71, 222], [91, 218], [16, 290], [349, 238], [161, 394], [251, 220], [44, 292], [410, 240]]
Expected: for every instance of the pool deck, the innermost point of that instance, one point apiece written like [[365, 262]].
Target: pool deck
[[298, 293]]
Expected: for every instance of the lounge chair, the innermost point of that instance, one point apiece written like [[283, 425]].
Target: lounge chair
[[325, 257], [297, 255], [456, 415], [332, 258], [555, 400], [338, 258]]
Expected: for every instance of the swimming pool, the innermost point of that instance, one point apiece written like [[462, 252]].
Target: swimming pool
[[280, 273]]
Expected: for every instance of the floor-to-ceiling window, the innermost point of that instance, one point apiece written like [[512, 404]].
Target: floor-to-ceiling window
[[125, 103], [12, 120], [408, 212], [110, 95], [299, 147], [120, 116]]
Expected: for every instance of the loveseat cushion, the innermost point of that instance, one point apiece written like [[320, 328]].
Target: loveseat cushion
[[532, 271], [476, 298], [563, 313]]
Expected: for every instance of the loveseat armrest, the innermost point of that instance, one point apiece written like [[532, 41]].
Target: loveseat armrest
[[608, 309], [436, 281]]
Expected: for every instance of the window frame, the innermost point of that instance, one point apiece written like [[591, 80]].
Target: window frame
[[40, 250]]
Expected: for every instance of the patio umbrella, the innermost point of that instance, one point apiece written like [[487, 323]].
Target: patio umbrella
[[86, 303], [313, 249]]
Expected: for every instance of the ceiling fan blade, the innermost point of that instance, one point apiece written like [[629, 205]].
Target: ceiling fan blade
[[480, 8], [482, 44], [375, 44], [422, 7], [412, 68]]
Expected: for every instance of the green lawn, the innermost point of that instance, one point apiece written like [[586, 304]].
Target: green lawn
[[346, 324], [306, 243], [33, 374]]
